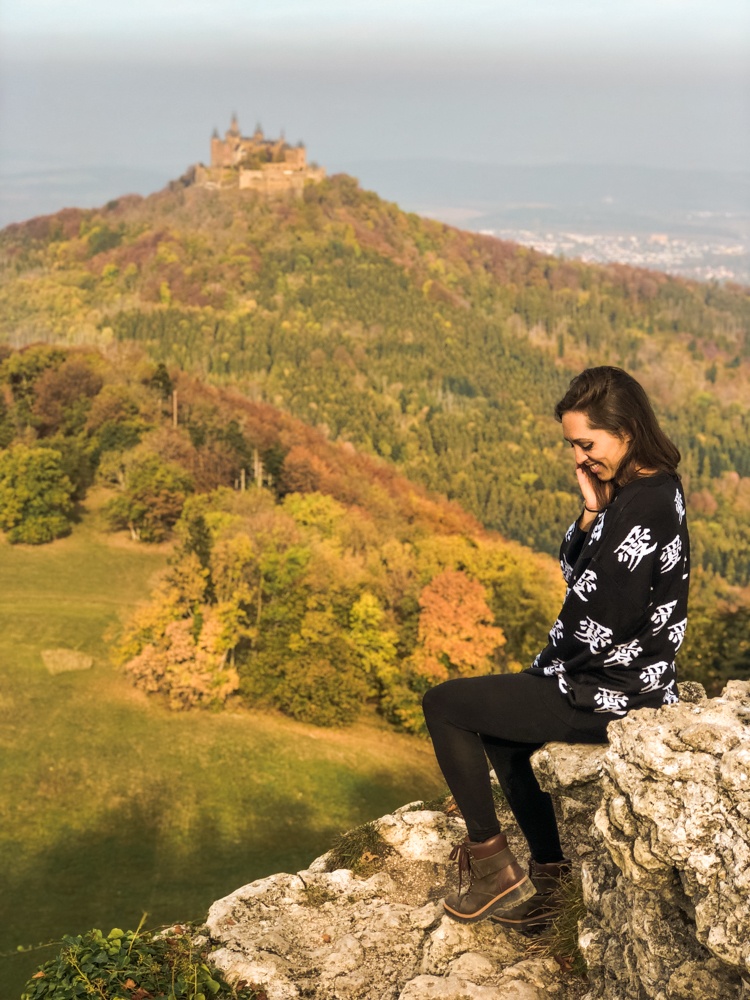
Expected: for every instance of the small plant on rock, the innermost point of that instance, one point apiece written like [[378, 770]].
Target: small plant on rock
[[133, 965], [316, 895]]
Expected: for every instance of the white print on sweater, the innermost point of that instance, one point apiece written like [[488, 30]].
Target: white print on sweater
[[652, 675], [624, 654], [567, 569], [679, 506], [611, 701], [556, 667], [670, 554], [596, 636], [596, 531], [677, 633], [635, 546], [556, 632], [586, 584], [661, 616], [569, 532], [670, 695]]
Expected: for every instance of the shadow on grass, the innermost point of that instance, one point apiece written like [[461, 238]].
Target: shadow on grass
[[108, 876], [135, 861]]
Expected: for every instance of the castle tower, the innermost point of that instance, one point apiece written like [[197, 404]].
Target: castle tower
[[234, 128], [217, 149]]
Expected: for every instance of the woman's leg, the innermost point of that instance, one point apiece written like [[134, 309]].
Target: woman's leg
[[460, 754], [531, 806], [508, 716]]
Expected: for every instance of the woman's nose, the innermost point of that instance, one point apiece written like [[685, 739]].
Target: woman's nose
[[579, 454]]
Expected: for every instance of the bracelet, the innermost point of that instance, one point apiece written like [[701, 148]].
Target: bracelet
[[590, 510]]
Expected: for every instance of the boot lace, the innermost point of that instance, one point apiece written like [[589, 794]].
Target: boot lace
[[461, 854]]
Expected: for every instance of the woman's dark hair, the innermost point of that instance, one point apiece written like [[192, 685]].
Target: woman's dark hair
[[613, 401]]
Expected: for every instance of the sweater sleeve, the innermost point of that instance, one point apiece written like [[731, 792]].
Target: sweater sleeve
[[570, 549]]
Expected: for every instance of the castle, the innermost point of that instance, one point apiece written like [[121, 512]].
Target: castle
[[255, 163]]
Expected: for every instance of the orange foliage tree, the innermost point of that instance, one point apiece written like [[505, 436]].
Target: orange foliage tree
[[456, 635]]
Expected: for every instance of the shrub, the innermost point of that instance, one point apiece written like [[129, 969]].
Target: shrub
[[130, 964]]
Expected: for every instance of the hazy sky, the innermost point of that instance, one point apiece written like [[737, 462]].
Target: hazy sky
[[93, 83]]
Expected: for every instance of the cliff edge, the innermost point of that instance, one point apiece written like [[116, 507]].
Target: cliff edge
[[658, 823]]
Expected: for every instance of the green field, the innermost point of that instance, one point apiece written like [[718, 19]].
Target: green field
[[112, 805]]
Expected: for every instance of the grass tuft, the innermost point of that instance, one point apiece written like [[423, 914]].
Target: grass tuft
[[560, 939], [361, 850]]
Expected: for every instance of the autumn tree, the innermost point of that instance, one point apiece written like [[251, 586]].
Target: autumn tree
[[151, 498], [182, 647], [63, 396], [456, 634], [22, 369]]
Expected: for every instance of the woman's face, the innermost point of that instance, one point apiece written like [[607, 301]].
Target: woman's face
[[597, 451]]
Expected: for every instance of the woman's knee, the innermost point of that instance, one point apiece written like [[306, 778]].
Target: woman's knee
[[437, 701]]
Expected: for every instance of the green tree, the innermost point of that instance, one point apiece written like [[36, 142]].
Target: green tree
[[374, 644], [35, 495], [321, 680]]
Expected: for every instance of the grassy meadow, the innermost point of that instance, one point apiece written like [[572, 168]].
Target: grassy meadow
[[113, 805]]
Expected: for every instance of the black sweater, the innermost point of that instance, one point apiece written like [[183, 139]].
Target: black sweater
[[613, 645]]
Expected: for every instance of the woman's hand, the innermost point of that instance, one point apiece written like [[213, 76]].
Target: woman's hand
[[596, 494]]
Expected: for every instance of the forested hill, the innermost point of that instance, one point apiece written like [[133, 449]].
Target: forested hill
[[440, 350], [303, 574]]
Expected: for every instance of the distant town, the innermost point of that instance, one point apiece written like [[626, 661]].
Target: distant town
[[702, 258]]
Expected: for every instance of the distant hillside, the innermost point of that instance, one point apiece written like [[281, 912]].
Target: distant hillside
[[440, 350]]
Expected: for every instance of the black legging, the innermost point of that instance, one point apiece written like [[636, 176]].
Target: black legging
[[507, 717]]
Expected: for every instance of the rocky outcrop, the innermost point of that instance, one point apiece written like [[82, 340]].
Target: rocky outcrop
[[332, 935], [660, 823], [666, 863]]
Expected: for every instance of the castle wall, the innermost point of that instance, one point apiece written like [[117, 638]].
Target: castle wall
[[274, 181]]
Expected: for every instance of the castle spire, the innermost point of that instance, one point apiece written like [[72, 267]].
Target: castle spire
[[234, 128]]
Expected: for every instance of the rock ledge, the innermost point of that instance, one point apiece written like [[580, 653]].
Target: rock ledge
[[660, 823]]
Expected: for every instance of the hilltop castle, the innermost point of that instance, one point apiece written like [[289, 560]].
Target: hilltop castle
[[255, 163]]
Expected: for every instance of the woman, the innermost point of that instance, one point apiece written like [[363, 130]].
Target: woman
[[612, 649]]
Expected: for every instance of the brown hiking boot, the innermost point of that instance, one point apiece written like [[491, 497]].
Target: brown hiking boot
[[497, 882], [532, 916]]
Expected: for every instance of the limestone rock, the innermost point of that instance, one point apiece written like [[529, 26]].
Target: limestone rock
[[666, 862], [455, 988], [334, 936], [658, 822]]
